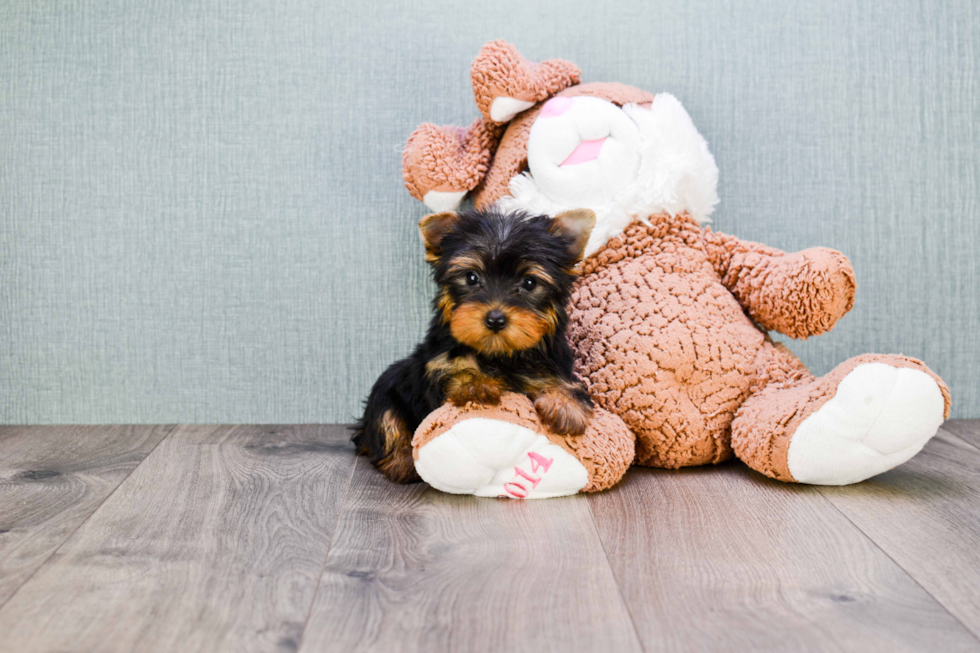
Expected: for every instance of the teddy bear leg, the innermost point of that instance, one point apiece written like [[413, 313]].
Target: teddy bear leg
[[868, 415], [504, 451]]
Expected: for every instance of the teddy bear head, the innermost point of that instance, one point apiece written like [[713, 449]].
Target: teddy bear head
[[546, 143]]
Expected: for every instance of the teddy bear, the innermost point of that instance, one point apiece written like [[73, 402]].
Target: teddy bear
[[670, 320]]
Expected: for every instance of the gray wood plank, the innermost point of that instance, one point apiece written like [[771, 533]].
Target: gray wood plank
[[965, 429], [214, 543], [52, 478], [412, 569], [725, 559], [926, 516]]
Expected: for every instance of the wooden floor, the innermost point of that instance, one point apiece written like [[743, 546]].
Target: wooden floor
[[257, 538]]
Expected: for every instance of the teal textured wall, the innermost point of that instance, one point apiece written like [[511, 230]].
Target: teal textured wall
[[202, 217]]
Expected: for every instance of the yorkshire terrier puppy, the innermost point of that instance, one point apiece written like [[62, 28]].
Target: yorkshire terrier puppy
[[498, 325]]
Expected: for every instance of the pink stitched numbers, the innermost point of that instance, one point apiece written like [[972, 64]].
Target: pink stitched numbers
[[538, 461], [517, 490]]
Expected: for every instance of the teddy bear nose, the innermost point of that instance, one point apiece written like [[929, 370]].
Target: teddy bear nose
[[495, 320]]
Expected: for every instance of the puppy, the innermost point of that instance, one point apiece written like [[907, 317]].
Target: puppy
[[498, 325]]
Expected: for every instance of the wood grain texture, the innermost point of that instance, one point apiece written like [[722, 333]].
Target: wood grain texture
[[965, 429], [214, 543], [52, 478], [220, 540], [412, 569], [725, 559], [926, 516]]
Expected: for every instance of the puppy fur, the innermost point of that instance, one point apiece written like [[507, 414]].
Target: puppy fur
[[498, 325]]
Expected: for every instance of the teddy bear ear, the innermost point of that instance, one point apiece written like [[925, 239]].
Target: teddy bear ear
[[441, 164], [505, 83]]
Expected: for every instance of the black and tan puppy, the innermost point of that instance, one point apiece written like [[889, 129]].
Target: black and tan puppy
[[499, 324]]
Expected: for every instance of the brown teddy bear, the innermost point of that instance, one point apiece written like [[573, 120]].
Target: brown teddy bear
[[669, 319]]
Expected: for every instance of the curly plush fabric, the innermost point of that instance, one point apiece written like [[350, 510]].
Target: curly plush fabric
[[801, 294], [500, 71], [448, 158], [659, 325], [661, 342], [606, 448]]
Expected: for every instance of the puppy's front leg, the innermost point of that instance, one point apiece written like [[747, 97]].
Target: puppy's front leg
[[463, 382], [466, 387], [564, 407]]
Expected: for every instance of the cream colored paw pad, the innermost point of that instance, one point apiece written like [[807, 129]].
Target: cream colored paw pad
[[879, 418], [494, 458]]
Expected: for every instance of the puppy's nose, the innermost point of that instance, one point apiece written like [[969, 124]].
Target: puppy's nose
[[495, 320]]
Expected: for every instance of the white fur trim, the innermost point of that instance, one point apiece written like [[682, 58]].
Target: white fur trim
[[504, 108], [879, 418], [443, 200], [482, 457], [677, 173]]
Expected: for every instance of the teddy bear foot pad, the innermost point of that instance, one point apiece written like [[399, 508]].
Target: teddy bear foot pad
[[879, 418], [494, 458]]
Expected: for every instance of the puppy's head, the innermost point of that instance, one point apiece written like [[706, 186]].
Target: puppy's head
[[504, 279]]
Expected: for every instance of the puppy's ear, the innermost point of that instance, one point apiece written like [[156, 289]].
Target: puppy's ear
[[433, 228], [577, 224]]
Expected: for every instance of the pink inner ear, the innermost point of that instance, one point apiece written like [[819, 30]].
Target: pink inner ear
[[585, 152], [556, 106]]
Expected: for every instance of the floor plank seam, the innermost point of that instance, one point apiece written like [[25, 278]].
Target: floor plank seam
[[619, 590], [905, 571], [173, 427], [960, 439], [326, 556]]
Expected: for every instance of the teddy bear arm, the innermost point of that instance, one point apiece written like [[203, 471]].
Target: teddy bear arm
[[800, 294]]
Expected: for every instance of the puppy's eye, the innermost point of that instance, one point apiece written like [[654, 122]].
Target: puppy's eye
[[472, 279], [529, 283]]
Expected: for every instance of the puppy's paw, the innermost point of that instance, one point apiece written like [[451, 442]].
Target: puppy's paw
[[481, 390], [562, 413]]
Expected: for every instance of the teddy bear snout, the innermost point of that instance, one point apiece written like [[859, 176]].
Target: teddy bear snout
[[582, 150]]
